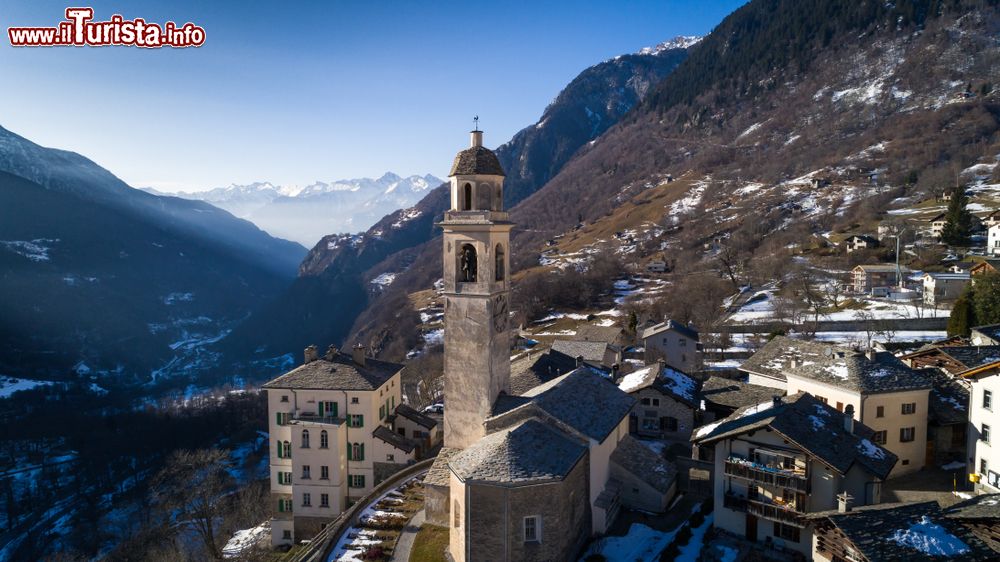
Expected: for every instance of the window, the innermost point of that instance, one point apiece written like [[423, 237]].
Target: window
[[381, 412], [909, 408], [356, 451], [881, 437], [668, 423], [354, 400], [355, 420], [467, 265], [681, 342], [284, 506], [324, 500], [286, 534], [645, 401], [650, 424], [840, 406], [285, 478], [499, 268], [987, 399], [281, 418], [533, 529], [305, 438], [983, 466], [456, 511], [324, 472], [906, 462], [822, 399], [328, 409], [357, 481], [284, 398], [787, 532], [907, 434], [880, 411], [284, 449], [306, 472], [324, 440], [389, 457], [306, 499], [984, 435], [654, 401]]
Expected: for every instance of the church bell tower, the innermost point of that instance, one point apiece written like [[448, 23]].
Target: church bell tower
[[476, 294]]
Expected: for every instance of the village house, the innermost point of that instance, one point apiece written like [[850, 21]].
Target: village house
[[985, 267], [722, 396], [422, 429], [675, 344], [984, 420], [988, 335], [912, 531], [666, 402], [333, 412], [656, 266], [992, 219], [887, 230], [937, 223], [866, 278], [860, 242], [942, 288], [533, 475], [778, 461], [597, 354], [612, 335], [882, 391], [993, 240]]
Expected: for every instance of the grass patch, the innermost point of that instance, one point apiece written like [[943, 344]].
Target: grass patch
[[429, 544]]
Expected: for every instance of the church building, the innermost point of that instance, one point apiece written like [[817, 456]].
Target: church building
[[529, 476]]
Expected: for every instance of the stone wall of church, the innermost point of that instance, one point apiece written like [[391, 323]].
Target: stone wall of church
[[497, 515]]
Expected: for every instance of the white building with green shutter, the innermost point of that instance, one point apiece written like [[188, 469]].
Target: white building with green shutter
[[322, 419]]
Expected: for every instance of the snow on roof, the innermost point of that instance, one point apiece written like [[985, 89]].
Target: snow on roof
[[681, 384], [930, 538], [870, 449], [636, 379], [706, 429]]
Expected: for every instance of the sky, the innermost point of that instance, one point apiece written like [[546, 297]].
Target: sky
[[295, 92]]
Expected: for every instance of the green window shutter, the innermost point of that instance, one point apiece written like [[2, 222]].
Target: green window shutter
[[349, 452], [333, 409], [361, 420], [361, 452], [281, 506], [349, 424], [393, 402], [277, 418], [361, 481], [321, 408], [280, 453]]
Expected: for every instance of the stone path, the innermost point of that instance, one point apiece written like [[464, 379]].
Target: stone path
[[401, 553]]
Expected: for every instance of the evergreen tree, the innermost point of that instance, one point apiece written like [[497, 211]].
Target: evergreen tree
[[958, 227], [986, 300], [961, 318]]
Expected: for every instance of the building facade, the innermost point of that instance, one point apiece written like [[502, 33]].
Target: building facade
[[675, 344]]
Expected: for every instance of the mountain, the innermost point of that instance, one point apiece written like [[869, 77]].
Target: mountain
[[102, 279], [883, 104], [306, 214], [334, 284]]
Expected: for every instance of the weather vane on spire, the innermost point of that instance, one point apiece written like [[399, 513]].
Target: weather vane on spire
[[476, 121]]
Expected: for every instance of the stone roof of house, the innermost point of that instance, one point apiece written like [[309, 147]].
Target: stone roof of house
[[666, 380], [811, 425], [883, 372], [583, 399], [477, 160], [670, 325], [593, 332], [973, 356], [906, 532], [591, 351], [984, 506], [881, 268], [947, 276], [439, 474], [534, 368], [991, 331], [392, 438], [640, 461], [865, 237], [419, 418], [736, 394], [948, 402], [342, 373], [529, 452]]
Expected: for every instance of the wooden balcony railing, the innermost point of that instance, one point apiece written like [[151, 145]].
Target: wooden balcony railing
[[763, 475], [760, 507]]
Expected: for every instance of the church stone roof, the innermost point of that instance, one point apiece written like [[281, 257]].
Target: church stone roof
[[342, 373], [530, 452], [477, 160], [583, 400], [535, 368]]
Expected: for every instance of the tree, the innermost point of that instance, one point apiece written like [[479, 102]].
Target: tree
[[986, 300], [190, 490], [958, 227], [960, 319]]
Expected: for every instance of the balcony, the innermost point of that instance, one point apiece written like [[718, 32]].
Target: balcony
[[761, 474], [311, 417], [765, 508], [475, 217]]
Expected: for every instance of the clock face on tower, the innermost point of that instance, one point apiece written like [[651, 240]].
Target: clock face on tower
[[500, 313]]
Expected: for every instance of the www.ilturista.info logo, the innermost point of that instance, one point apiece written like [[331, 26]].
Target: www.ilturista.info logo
[[78, 30]]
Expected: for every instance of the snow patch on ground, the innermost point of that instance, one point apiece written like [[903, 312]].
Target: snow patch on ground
[[384, 280], [10, 385], [245, 539], [36, 250]]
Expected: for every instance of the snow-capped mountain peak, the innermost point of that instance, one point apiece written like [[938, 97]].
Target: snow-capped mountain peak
[[679, 42]]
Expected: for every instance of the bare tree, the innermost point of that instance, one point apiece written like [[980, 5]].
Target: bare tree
[[191, 488]]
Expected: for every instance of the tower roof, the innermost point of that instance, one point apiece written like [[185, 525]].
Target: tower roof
[[476, 160]]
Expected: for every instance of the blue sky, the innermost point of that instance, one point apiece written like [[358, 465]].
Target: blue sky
[[293, 92]]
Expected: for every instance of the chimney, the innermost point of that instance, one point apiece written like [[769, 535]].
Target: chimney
[[844, 502], [477, 138], [849, 418], [358, 354], [331, 352], [777, 400], [870, 353], [579, 361], [311, 354]]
